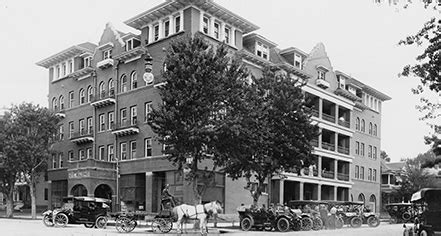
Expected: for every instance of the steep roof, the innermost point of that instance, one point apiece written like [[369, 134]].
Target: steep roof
[[67, 53]]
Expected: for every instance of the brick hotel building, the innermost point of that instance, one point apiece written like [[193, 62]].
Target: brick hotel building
[[104, 101]]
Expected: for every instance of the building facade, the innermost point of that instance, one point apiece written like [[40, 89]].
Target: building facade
[[105, 96]]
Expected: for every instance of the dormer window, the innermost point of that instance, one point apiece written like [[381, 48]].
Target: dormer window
[[57, 72], [206, 25], [156, 32], [132, 43], [87, 61], [166, 28], [227, 35], [216, 30], [70, 66], [177, 24], [341, 82], [64, 68], [107, 54], [298, 61], [321, 74], [262, 50]]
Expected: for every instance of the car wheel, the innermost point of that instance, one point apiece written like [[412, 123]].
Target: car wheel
[[406, 217], [282, 224], [101, 222], [317, 224], [47, 220], [89, 225], [297, 224], [356, 222], [306, 224], [423, 233], [246, 224], [61, 220], [373, 221]]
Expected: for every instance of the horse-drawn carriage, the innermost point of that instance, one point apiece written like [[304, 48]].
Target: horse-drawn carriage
[[399, 212]]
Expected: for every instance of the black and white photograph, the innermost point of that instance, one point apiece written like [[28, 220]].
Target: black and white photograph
[[220, 117]]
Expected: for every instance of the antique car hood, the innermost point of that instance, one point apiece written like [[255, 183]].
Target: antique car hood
[[423, 192]]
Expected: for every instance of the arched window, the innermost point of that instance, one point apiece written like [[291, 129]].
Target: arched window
[[111, 86], [102, 90], [375, 130], [89, 94], [133, 80], [54, 104], [82, 96], [362, 127], [361, 198], [370, 127], [123, 86], [61, 99], [357, 124], [373, 202]]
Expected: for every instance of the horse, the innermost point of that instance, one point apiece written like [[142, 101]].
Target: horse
[[200, 212]]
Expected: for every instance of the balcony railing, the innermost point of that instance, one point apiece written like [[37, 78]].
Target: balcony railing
[[344, 150], [105, 63], [84, 136], [126, 127], [104, 98], [322, 83], [314, 112], [344, 123], [328, 117], [328, 174], [328, 146], [59, 111], [314, 142], [342, 176]]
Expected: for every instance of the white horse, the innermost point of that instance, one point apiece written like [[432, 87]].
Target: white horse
[[200, 212]]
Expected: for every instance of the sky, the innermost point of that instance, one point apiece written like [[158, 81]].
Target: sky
[[361, 39]]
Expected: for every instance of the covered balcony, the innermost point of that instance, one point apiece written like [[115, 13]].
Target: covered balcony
[[131, 55], [344, 117], [126, 127], [82, 137], [343, 170], [106, 63], [328, 111], [85, 71], [343, 144], [328, 140], [313, 103], [59, 112], [328, 168], [104, 99]]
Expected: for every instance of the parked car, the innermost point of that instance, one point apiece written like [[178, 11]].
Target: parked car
[[278, 218], [427, 206], [308, 211], [90, 211], [400, 212]]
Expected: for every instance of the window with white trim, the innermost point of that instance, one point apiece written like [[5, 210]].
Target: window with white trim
[[375, 153], [148, 109], [107, 54], [64, 68], [111, 120], [71, 129], [82, 127], [89, 125], [132, 149], [57, 72], [362, 149], [60, 160], [362, 172], [133, 115], [70, 66], [148, 147], [370, 151], [70, 156], [102, 122], [206, 25], [82, 94], [374, 175], [166, 26], [102, 90], [71, 99], [61, 99], [216, 30], [123, 117], [227, 35], [370, 174], [321, 74], [262, 50], [177, 23], [87, 61], [101, 153], [54, 161], [133, 80], [89, 153], [123, 151], [89, 94], [110, 153], [156, 32], [60, 133], [357, 172], [357, 148], [81, 154], [123, 87], [298, 61]]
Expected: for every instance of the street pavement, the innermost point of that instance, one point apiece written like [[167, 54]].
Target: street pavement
[[23, 227]]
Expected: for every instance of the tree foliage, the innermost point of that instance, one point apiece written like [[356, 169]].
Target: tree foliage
[[271, 130], [201, 82]]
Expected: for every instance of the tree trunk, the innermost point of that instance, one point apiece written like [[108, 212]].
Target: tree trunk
[[33, 203], [10, 203]]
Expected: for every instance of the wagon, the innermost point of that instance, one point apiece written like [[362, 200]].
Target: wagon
[[399, 212], [90, 211]]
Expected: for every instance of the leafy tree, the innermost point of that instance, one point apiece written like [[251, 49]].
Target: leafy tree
[[34, 128], [384, 156], [201, 82], [271, 130], [9, 162]]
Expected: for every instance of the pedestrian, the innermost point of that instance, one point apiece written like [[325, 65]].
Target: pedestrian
[[333, 217], [324, 215]]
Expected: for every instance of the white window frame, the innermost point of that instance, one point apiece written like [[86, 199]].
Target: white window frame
[[166, 29], [70, 156], [107, 54], [102, 122], [70, 66], [87, 61], [71, 99], [148, 109], [206, 24], [71, 129], [82, 94], [110, 152], [101, 153], [89, 153], [156, 30], [133, 115], [177, 23], [133, 80], [132, 149], [216, 26], [123, 116], [89, 125], [82, 127], [111, 120], [148, 147], [263, 49], [123, 151], [81, 154], [60, 160], [227, 35], [321, 74], [298, 59]]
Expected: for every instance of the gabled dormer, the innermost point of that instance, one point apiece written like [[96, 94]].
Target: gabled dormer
[[318, 64], [110, 44], [67, 63], [258, 45]]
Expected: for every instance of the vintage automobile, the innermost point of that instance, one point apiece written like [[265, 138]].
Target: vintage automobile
[[399, 212], [279, 218], [308, 211], [348, 213], [427, 205], [90, 211]]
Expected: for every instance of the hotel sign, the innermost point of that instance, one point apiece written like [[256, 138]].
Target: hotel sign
[[79, 174]]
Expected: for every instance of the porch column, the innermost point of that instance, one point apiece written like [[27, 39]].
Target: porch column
[[233, 36], [281, 190], [301, 190], [336, 114], [388, 179], [335, 168], [150, 39], [335, 193], [201, 21], [161, 29], [336, 141], [148, 191], [319, 192], [49, 194], [181, 20], [171, 25], [320, 107], [319, 166], [320, 139]]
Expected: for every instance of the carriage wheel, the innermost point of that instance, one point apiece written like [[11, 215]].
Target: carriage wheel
[[164, 225], [246, 224], [373, 221], [296, 224], [356, 222], [339, 222], [125, 224], [47, 220], [306, 224], [282, 224], [101, 222], [61, 220], [317, 224]]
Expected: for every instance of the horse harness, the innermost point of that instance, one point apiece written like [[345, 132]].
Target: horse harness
[[196, 211]]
